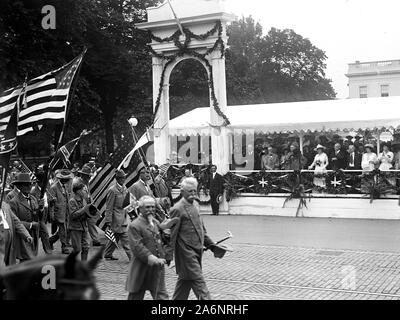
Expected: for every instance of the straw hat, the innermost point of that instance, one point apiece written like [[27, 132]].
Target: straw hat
[[64, 174], [22, 177], [319, 146], [369, 145]]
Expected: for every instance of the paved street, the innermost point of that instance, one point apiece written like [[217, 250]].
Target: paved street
[[289, 258]]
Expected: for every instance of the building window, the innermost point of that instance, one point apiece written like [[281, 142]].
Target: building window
[[363, 92], [385, 90]]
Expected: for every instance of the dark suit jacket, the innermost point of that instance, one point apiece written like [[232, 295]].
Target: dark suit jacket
[[357, 161], [9, 237], [216, 185], [188, 237], [26, 213], [338, 161], [144, 241]]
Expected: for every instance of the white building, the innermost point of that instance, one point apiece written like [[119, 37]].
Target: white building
[[374, 79]]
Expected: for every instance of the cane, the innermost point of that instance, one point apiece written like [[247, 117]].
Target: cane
[[230, 235]]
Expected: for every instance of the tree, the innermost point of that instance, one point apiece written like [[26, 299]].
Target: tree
[[116, 70], [278, 67]]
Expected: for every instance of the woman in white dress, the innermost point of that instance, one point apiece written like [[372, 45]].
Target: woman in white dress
[[369, 158], [320, 163], [386, 158]]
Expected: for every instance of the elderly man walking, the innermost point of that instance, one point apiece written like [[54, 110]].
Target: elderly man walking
[[146, 270], [188, 238]]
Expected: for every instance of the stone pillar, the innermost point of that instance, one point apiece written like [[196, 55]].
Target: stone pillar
[[219, 137], [161, 125]]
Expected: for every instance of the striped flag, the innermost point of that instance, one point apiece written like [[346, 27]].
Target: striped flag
[[111, 236], [104, 179], [43, 98]]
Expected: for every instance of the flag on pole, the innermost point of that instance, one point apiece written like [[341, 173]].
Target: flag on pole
[[8, 143], [104, 179], [144, 139], [44, 98], [111, 236], [64, 153]]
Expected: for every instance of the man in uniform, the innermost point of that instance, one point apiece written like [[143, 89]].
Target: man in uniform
[[84, 175], [188, 237], [116, 216], [60, 191], [146, 269], [28, 210]]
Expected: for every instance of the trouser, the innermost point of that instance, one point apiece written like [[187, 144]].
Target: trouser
[[159, 294], [214, 204], [199, 287], [92, 230], [61, 234], [44, 236], [80, 242], [119, 237]]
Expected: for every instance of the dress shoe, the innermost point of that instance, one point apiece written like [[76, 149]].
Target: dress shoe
[[111, 258]]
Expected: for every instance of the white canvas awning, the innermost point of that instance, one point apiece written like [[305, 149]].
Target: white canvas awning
[[292, 117]]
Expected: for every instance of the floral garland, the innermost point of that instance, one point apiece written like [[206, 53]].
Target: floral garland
[[184, 49], [376, 184]]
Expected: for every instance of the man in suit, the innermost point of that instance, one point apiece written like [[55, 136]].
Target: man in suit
[[216, 187], [338, 158], [11, 230], [141, 187], [28, 210], [146, 269], [116, 216], [354, 159], [61, 191], [188, 237]]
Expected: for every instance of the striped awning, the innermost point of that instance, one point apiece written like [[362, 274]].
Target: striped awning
[[297, 117]]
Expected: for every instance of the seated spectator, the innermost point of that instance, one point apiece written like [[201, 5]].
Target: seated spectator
[[270, 161], [320, 163], [386, 158], [338, 158], [369, 158], [354, 159], [295, 160]]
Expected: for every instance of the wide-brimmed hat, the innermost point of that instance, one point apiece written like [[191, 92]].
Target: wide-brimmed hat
[[22, 177], [319, 146], [120, 174], [85, 170], [64, 174], [220, 249], [369, 145]]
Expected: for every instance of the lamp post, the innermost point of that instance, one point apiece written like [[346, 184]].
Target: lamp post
[[133, 122]]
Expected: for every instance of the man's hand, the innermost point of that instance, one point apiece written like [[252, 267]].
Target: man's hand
[[169, 223], [29, 240], [154, 261]]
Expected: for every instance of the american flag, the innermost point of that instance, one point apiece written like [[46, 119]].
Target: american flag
[[111, 236], [104, 179], [43, 98]]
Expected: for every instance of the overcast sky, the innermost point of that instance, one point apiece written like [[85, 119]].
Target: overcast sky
[[347, 30]]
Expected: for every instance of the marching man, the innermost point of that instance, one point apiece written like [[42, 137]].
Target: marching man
[[188, 238], [146, 270]]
